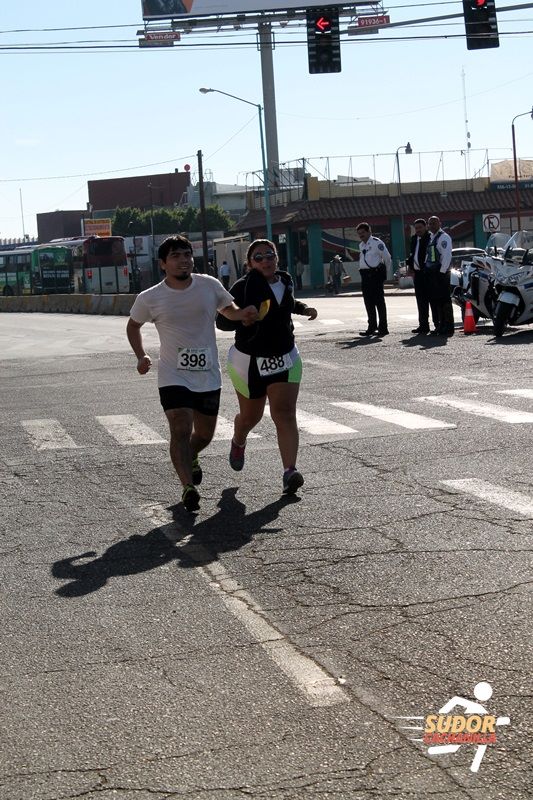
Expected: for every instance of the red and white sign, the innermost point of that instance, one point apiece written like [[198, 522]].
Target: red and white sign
[[373, 22]]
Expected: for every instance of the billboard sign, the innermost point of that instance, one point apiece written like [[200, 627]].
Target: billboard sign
[[97, 227], [165, 9]]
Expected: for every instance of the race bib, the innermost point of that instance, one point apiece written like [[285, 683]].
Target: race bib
[[194, 358], [271, 365]]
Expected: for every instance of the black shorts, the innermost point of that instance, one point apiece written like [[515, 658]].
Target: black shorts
[[180, 397]]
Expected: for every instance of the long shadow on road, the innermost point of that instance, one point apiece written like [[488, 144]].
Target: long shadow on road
[[182, 540]]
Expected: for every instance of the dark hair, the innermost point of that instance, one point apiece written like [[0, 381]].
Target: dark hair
[[258, 243], [420, 221], [363, 226], [172, 243]]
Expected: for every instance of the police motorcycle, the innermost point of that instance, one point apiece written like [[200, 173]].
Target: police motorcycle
[[472, 279], [513, 284]]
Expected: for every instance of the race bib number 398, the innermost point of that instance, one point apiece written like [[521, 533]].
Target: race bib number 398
[[194, 358], [271, 365]]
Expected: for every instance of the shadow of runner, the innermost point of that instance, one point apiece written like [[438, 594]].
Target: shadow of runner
[[229, 529]]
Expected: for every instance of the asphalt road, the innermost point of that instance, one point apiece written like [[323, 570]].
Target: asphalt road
[[266, 647]]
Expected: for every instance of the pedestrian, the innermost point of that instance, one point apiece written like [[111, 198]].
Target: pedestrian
[[224, 274], [211, 269], [264, 362], [373, 269], [183, 307], [416, 261], [336, 273], [437, 264], [299, 269]]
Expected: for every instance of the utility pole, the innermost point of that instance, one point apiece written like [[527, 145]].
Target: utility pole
[[203, 222]]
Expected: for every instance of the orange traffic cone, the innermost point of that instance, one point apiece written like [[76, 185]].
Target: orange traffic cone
[[469, 322]]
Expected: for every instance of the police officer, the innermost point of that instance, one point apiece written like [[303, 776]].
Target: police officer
[[374, 260], [438, 262], [415, 261]]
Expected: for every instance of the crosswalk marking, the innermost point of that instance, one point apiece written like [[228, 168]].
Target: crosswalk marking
[[405, 419], [317, 426], [127, 430], [497, 495], [224, 430], [527, 393], [479, 409], [48, 434]]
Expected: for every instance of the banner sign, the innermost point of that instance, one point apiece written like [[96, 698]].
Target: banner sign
[[164, 9]]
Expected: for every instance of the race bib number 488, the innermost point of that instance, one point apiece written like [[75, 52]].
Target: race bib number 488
[[271, 365], [194, 358]]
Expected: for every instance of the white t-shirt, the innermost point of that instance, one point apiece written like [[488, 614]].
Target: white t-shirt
[[185, 322]]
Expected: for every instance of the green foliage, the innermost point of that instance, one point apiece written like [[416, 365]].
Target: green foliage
[[134, 222]]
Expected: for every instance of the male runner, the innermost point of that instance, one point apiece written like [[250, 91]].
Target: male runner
[[183, 308]]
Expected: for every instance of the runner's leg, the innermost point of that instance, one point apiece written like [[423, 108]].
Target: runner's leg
[[202, 432], [250, 413], [282, 399], [180, 421]]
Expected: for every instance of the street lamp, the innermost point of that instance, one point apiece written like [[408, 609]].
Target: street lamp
[[266, 191], [408, 150], [516, 192]]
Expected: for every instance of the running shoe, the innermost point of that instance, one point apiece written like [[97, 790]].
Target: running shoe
[[236, 456], [197, 473], [190, 498], [292, 480]]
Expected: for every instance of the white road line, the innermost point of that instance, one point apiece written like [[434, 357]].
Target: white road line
[[224, 431], [527, 393], [316, 425], [324, 364], [405, 419], [407, 316], [497, 495], [317, 685], [331, 321], [127, 430], [297, 324], [479, 409], [48, 434]]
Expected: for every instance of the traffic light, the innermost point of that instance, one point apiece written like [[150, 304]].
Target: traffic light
[[323, 40], [481, 24]]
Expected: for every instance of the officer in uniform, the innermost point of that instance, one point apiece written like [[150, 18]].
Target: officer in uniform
[[374, 260], [438, 262], [416, 261]]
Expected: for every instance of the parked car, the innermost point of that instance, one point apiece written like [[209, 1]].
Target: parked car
[[465, 254]]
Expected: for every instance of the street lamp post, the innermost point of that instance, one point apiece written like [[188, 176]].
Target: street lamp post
[[266, 189], [516, 190], [408, 149]]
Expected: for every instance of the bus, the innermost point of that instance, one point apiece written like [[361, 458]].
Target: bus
[[99, 264], [91, 265], [16, 275]]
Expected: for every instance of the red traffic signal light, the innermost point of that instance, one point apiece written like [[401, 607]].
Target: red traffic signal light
[[323, 40], [481, 25]]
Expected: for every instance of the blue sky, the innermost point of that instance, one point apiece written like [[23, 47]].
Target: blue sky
[[105, 114]]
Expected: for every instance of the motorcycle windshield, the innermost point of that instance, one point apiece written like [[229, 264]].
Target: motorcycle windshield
[[519, 250], [497, 244]]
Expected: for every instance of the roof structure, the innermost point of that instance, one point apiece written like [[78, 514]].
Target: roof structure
[[336, 211]]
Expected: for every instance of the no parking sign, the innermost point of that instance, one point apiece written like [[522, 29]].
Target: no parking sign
[[491, 223]]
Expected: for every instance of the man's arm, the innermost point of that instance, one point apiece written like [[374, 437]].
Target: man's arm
[[133, 332], [247, 315], [444, 246]]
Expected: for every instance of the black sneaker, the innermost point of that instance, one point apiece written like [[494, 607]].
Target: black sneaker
[[383, 332], [190, 498], [236, 456], [292, 480], [420, 330], [197, 473], [368, 332]]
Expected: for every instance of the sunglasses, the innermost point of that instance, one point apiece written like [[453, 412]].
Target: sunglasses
[[262, 256]]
